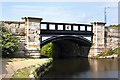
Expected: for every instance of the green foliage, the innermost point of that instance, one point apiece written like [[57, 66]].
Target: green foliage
[[102, 54], [114, 26], [50, 59], [109, 51], [35, 73], [48, 50], [38, 64], [117, 51], [9, 43]]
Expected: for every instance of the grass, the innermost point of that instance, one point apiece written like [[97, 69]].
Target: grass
[[38, 64], [50, 59], [22, 73], [45, 70], [109, 52], [35, 73], [117, 51]]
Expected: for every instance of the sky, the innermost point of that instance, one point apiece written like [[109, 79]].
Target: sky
[[73, 12]]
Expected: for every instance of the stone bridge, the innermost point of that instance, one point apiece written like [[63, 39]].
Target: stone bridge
[[70, 39], [86, 40]]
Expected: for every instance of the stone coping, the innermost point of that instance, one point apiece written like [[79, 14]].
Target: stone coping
[[32, 18]]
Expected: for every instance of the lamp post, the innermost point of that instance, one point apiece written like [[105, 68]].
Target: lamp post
[[105, 15]]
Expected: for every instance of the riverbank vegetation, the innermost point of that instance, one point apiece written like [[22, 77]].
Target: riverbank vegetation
[[42, 69], [48, 50], [114, 26], [109, 52]]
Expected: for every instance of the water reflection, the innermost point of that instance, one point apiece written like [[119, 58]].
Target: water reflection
[[101, 65], [83, 68]]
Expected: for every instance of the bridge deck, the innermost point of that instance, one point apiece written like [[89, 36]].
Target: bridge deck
[[50, 29], [66, 28]]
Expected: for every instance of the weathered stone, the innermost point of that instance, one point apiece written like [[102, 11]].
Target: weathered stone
[[19, 54], [112, 37], [28, 33]]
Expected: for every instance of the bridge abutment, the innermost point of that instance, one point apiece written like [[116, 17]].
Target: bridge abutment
[[98, 43], [32, 36]]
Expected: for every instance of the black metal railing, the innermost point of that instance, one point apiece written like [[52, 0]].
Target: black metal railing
[[65, 28]]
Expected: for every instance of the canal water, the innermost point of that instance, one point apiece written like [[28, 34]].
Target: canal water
[[83, 68]]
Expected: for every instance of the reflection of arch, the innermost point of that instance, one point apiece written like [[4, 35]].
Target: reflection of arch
[[73, 38]]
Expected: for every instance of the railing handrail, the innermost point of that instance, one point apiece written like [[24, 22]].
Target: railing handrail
[[65, 23]]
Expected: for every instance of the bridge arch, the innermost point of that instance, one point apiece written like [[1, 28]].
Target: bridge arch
[[76, 39], [69, 38], [69, 46]]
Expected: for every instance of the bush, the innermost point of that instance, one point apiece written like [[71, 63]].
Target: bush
[[9, 43], [109, 51], [102, 54], [48, 50], [106, 52]]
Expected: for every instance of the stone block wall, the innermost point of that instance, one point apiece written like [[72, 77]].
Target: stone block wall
[[98, 39], [18, 29], [112, 37], [28, 34], [32, 38], [104, 37]]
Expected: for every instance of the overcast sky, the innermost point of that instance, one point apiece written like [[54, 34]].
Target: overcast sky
[[75, 12]]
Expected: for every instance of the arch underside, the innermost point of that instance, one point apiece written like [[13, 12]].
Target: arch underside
[[80, 40], [69, 46]]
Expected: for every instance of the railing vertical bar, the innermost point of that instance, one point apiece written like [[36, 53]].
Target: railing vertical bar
[[64, 27], [91, 28], [47, 26], [85, 28], [71, 27], [56, 27], [78, 27]]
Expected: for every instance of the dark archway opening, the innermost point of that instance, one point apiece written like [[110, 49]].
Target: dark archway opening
[[69, 46]]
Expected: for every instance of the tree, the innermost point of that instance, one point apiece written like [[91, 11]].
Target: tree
[[9, 42], [48, 50]]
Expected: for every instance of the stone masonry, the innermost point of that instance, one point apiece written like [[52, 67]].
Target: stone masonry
[[104, 37], [112, 37], [98, 38], [28, 33], [32, 37]]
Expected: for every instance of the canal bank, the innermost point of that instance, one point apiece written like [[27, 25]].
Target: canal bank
[[39, 70], [9, 68], [105, 57]]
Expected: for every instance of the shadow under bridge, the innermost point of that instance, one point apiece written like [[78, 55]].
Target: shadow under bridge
[[69, 46]]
